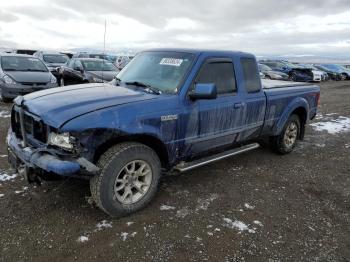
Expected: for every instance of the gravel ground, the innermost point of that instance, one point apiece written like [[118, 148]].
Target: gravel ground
[[254, 207]]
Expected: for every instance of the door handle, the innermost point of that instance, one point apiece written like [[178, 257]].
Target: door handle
[[237, 105]]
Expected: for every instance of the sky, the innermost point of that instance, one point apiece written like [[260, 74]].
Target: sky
[[263, 27]]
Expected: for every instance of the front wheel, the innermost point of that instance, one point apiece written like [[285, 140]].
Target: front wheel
[[128, 179], [285, 142]]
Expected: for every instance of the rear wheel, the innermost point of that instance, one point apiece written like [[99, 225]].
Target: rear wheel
[[128, 179], [285, 142], [344, 77]]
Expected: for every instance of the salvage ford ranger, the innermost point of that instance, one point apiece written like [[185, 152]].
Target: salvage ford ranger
[[166, 110]]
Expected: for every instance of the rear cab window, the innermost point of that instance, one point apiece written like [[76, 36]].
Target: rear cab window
[[251, 75], [219, 72]]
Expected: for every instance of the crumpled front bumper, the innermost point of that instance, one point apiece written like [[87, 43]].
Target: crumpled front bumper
[[45, 159]]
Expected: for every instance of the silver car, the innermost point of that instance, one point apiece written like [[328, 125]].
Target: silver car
[[23, 74]]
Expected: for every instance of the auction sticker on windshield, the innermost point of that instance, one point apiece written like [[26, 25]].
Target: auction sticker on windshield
[[171, 61]]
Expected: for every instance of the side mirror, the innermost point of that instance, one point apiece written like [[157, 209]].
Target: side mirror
[[204, 91]]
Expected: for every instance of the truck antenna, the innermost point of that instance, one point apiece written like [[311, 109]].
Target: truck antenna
[[104, 47]]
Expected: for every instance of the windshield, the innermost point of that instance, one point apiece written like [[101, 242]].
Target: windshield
[[161, 70], [98, 65], [17, 63], [55, 59], [264, 68], [334, 67], [290, 65]]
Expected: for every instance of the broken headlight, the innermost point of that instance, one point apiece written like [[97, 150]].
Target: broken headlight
[[63, 140]]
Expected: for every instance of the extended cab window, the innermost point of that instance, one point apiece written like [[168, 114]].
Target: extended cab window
[[219, 73], [251, 75]]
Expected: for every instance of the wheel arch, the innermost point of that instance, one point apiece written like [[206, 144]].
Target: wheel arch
[[149, 140], [298, 107]]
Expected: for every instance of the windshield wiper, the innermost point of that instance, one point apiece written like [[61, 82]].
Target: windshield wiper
[[145, 86], [35, 70]]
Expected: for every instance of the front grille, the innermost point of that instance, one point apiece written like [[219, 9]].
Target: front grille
[[33, 126], [33, 84]]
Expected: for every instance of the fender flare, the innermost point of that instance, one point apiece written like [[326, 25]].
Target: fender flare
[[296, 103]]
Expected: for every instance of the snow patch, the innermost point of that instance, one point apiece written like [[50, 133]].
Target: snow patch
[[103, 224], [83, 239], [2, 195], [203, 204], [125, 235], [239, 225], [333, 126], [7, 177], [256, 222], [247, 206], [3, 156], [129, 223], [165, 208], [5, 114]]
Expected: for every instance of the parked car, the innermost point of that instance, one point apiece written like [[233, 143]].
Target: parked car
[[122, 61], [87, 70], [332, 74], [53, 61], [344, 72], [23, 74], [110, 58], [167, 110], [296, 73], [318, 74], [271, 74]]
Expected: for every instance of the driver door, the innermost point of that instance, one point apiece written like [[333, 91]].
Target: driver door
[[218, 121]]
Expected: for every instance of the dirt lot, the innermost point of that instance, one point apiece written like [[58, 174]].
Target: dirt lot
[[255, 207]]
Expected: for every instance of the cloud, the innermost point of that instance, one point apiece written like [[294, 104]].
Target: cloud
[[6, 17], [269, 26]]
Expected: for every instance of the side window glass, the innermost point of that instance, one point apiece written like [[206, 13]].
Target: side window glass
[[251, 75], [71, 63], [219, 73]]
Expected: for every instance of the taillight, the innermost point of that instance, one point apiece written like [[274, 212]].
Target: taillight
[[317, 99]]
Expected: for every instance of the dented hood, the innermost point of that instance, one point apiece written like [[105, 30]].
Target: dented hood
[[56, 106]]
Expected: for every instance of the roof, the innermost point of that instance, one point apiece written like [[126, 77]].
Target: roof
[[89, 59], [50, 52], [17, 55], [200, 51]]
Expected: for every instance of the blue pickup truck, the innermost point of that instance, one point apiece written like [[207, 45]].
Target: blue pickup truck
[[166, 110]]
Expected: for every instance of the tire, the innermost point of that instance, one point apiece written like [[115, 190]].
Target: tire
[[293, 77], [115, 183], [6, 99], [285, 142], [343, 77]]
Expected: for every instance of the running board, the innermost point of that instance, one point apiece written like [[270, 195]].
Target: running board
[[185, 166]]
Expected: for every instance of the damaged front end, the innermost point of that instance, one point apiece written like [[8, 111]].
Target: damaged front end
[[302, 75], [37, 150]]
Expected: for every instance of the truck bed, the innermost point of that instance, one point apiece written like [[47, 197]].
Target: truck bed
[[268, 84]]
